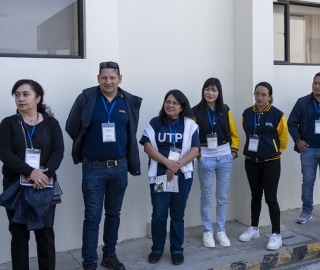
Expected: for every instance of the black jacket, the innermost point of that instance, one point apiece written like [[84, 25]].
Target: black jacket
[[80, 117]]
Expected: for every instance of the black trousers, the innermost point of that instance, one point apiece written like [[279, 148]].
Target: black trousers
[[264, 177], [20, 245]]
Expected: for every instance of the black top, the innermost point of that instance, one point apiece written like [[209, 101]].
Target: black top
[[47, 137]]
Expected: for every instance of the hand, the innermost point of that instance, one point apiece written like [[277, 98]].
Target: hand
[[170, 175], [173, 165], [234, 155], [302, 145], [39, 178]]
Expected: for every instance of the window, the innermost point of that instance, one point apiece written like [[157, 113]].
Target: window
[[46, 29], [296, 33]]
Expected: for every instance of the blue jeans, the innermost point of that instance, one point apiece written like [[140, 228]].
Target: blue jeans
[[161, 203], [310, 160], [101, 186], [207, 167]]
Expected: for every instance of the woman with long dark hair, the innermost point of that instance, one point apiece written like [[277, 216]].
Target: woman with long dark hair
[[219, 146], [31, 149], [171, 141]]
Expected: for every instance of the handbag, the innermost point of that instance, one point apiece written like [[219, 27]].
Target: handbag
[[57, 193]]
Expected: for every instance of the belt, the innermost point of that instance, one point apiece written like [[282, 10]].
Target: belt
[[108, 163]]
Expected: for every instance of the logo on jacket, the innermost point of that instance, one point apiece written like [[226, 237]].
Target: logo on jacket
[[122, 111], [269, 124]]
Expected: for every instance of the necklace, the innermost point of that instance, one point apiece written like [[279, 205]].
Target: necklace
[[173, 122], [30, 120]]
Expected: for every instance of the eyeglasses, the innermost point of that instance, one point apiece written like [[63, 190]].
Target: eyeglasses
[[109, 64], [173, 103], [260, 95]]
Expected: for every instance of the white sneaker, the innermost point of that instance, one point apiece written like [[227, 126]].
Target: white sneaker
[[223, 239], [248, 234], [275, 242], [208, 240]]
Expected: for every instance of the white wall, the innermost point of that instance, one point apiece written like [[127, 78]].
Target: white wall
[[166, 45], [161, 45]]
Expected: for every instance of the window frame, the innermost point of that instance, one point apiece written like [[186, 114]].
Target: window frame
[[286, 5], [80, 42]]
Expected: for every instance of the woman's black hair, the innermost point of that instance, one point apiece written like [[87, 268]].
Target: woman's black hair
[[37, 88], [266, 85], [220, 109], [183, 101]]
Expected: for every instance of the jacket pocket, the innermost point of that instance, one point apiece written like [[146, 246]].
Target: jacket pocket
[[275, 145]]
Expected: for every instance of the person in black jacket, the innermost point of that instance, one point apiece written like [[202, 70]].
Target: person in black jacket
[[266, 138], [102, 124], [304, 128], [31, 144]]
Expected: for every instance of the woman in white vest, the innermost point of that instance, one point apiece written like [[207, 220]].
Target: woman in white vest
[[171, 141]]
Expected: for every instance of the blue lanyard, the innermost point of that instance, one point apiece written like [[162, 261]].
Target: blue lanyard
[[212, 120], [105, 106], [317, 107], [173, 134], [32, 131], [255, 123]]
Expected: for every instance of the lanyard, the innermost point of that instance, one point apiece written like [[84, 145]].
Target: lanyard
[[212, 120], [105, 106], [32, 131], [173, 134], [255, 123], [317, 107]]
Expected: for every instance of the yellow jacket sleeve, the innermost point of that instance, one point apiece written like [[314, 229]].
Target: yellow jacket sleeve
[[235, 139], [283, 134]]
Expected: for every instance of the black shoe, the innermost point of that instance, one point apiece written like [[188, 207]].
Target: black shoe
[[154, 257], [89, 267], [177, 259], [112, 262]]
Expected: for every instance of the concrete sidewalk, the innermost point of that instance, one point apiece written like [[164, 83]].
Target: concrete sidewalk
[[300, 242]]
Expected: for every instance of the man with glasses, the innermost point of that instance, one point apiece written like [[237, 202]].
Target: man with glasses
[[304, 128], [102, 124]]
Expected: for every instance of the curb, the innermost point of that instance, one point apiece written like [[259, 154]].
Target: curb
[[281, 258]]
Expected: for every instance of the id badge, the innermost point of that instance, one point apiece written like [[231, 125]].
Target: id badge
[[108, 132], [32, 157], [212, 141], [317, 127], [253, 143], [174, 153]]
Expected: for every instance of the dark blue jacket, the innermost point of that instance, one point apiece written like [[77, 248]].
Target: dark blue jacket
[[299, 118], [80, 117], [31, 206], [272, 129]]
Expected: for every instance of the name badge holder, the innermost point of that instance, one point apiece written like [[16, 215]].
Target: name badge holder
[[108, 129], [253, 143], [317, 127], [212, 141], [108, 132], [174, 154], [32, 157]]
